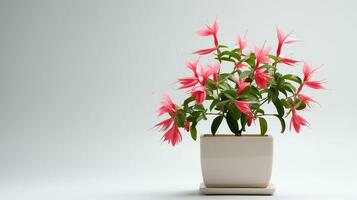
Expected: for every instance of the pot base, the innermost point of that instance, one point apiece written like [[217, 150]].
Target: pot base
[[238, 191]]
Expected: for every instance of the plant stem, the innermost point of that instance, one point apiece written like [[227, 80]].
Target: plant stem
[[213, 114]]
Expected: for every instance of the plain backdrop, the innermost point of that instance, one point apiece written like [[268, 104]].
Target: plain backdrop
[[80, 82]]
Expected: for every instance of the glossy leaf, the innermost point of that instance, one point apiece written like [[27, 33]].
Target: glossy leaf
[[180, 118], [292, 77], [263, 125], [282, 122], [193, 132], [279, 107], [233, 125], [215, 124]]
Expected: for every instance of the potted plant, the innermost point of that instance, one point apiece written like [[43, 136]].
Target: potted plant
[[236, 88]]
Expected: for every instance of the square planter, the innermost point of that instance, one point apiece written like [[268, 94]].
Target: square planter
[[236, 161]]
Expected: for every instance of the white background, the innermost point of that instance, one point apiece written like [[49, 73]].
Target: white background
[[80, 82]]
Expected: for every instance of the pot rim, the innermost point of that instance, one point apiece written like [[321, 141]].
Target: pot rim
[[235, 136]]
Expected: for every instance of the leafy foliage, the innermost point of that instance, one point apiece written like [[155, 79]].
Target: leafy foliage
[[239, 86]]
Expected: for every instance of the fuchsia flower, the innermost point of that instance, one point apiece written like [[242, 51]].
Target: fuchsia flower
[[250, 120], [261, 55], [205, 51], [214, 70], [283, 39], [306, 99], [241, 85], [209, 30], [172, 133], [240, 65], [261, 77], [289, 61], [241, 42], [167, 106], [297, 121], [308, 71], [193, 65], [187, 82], [243, 106], [204, 74], [199, 93], [187, 126]]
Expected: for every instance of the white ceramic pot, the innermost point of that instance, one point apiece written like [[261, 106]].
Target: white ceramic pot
[[236, 161]]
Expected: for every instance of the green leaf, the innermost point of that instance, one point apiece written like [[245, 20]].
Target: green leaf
[[289, 87], [188, 100], [222, 104], [273, 93], [180, 118], [230, 94], [233, 125], [228, 59], [301, 105], [200, 107], [282, 122], [243, 121], [292, 77], [234, 112], [223, 76], [285, 103], [213, 104], [282, 90], [273, 57], [259, 111], [263, 126], [222, 46], [193, 132], [279, 107], [215, 124], [251, 60]]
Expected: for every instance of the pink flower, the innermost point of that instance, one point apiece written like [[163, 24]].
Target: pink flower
[[173, 135], [289, 61], [193, 65], [308, 71], [199, 93], [167, 106], [204, 74], [241, 42], [283, 39], [243, 106], [297, 121], [187, 126], [314, 84], [187, 82], [210, 30], [250, 120], [205, 51], [214, 70], [241, 84], [261, 77], [261, 55], [306, 99], [165, 124], [239, 65]]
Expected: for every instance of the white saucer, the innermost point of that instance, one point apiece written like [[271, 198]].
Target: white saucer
[[240, 191]]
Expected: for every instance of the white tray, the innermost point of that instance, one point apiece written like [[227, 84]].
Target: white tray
[[240, 191]]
